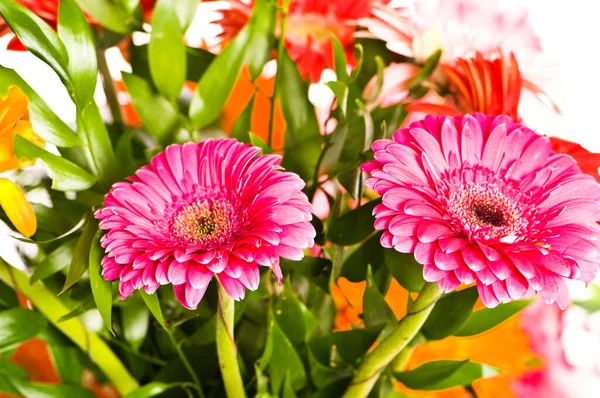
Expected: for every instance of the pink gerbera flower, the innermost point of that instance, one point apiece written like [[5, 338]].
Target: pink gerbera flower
[[310, 25], [482, 199], [200, 210]]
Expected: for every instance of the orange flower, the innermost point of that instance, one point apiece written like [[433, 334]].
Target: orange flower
[[14, 119], [262, 89], [490, 85]]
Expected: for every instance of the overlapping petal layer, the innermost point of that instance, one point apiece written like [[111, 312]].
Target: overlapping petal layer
[[200, 210], [483, 199]]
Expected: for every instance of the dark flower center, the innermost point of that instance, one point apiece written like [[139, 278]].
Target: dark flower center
[[488, 214]]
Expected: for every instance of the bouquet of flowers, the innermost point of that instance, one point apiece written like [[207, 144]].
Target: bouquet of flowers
[[284, 198]]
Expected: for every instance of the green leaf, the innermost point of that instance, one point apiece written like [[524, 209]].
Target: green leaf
[[428, 68], [67, 361], [153, 305], [81, 256], [59, 259], [67, 176], [316, 268], [378, 81], [76, 35], [81, 309], [42, 390], [282, 359], [375, 309], [110, 15], [166, 50], [350, 344], [18, 325], [289, 316], [44, 121], [303, 135], [100, 146], [359, 62], [157, 113], [186, 11], [35, 34], [340, 89], [339, 60], [258, 142], [432, 375], [261, 27], [217, 82], [241, 128], [152, 389], [450, 314], [101, 288], [370, 253], [135, 320], [70, 232], [487, 318], [288, 390], [354, 226], [405, 269], [464, 376]]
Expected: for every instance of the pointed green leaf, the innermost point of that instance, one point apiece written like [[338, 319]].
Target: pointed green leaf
[[258, 142], [241, 128], [110, 15], [354, 226], [428, 68], [433, 375], [405, 269], [288, 315], [487, 318], [44, 121], [375, 310], [158, 115], [101, 288], [153, 305], [74, 31], [100, 146], [303, 134], [339, 59], [81, 256], [450, 314], [43, 390], [262, 26], [217, 82], [37, 36], [67, 176], [59, 259], [18, 325], [166, 50]]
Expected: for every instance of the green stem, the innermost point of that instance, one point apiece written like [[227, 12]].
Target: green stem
[[226, 347], [187, 364], [399, 363], [280, 54], [53, 309], [375, 362], [109, 88]]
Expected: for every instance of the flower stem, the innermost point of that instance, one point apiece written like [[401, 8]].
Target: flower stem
[[280, 54], [226, 348], [187, 364], [375, 362], [53, 309], [109, 88]]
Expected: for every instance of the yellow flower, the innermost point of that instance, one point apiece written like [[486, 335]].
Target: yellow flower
[[14, 119]]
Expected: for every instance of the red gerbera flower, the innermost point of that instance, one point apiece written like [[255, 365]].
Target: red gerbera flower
[[310, 25]]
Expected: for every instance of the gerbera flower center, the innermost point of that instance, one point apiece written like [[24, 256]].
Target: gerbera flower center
[[485, 211], [209, 222]]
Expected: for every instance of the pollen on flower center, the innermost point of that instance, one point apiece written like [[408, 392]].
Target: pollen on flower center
[[209, 222], [487, 212]]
